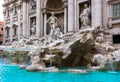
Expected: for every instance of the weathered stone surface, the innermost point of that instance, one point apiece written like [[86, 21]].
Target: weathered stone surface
[[16, 57]]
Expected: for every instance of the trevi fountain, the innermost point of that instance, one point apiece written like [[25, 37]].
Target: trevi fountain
[[85, 48]]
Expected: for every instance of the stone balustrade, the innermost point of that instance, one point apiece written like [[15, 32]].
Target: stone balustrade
[[113, 20]]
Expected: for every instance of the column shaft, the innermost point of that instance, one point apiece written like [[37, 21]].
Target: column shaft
[[24, 18], [70, 16], [4, 29], [45, 28], [65, 20], [11, 25], [97, 13], [38, 18], [19, 22]]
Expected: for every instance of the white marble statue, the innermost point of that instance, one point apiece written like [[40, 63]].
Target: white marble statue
[[85, 17], [55, 31], [33, 27], [53, 21], [58, 34], [100, 59], [32, 4], [20, 43]]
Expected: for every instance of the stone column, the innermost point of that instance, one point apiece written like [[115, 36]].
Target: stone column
[[4, 29], [19, 22], [70, 15], [65, 15], [24, 18], [96, 13], [38, 18], [45, 27], [11, 23]]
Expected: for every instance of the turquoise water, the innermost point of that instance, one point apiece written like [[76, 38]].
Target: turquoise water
[[14, 74]]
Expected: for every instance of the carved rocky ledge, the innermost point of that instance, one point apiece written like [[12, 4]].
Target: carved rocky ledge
[[107, 61]]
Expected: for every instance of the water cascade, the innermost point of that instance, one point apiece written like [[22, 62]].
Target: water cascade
[[1, 60]]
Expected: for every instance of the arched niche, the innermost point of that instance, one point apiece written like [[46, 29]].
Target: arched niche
[[81, 8], [56, 6], [7, 31], [15, 28]]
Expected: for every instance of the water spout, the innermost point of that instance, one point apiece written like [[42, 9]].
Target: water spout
[[112, 66], [51, 58], [1, 60]]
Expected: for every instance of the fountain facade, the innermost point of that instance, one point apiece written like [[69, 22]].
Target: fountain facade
[[65, 44]]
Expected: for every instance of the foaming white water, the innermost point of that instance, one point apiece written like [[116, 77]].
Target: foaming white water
[[113, 72]]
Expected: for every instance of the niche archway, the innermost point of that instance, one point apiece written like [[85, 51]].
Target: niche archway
[[56, 6]]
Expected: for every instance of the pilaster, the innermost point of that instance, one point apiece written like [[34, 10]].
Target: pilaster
[[24, 18], [19, 22], [96, 13], [70, 15], [65, 15], [38, 18], [11, 23]]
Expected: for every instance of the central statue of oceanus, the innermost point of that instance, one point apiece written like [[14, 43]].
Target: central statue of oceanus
[[55, 30]]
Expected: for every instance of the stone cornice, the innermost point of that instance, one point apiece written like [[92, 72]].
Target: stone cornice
[[10, 2], [48, 10], [110, 1]]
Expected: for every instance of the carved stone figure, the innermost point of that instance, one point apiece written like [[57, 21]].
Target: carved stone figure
[[32, 4], [53, 21], [85, 17], [20, 43], [33, 27], [55, 31], [36, 61], [58, 33]]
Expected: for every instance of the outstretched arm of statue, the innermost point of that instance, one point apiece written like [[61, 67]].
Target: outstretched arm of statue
[[56, 20], [81, 15], [33, 23], [48, 20]]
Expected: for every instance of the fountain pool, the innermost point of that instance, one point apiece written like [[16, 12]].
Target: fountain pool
[[14, 74]]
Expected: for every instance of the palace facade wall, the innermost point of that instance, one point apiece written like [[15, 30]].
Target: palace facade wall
[[21, 15]]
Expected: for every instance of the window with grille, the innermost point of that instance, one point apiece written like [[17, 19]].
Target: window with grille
[[1, 35], [15, 31], [7, 33], [116, 9], [116, 39]]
